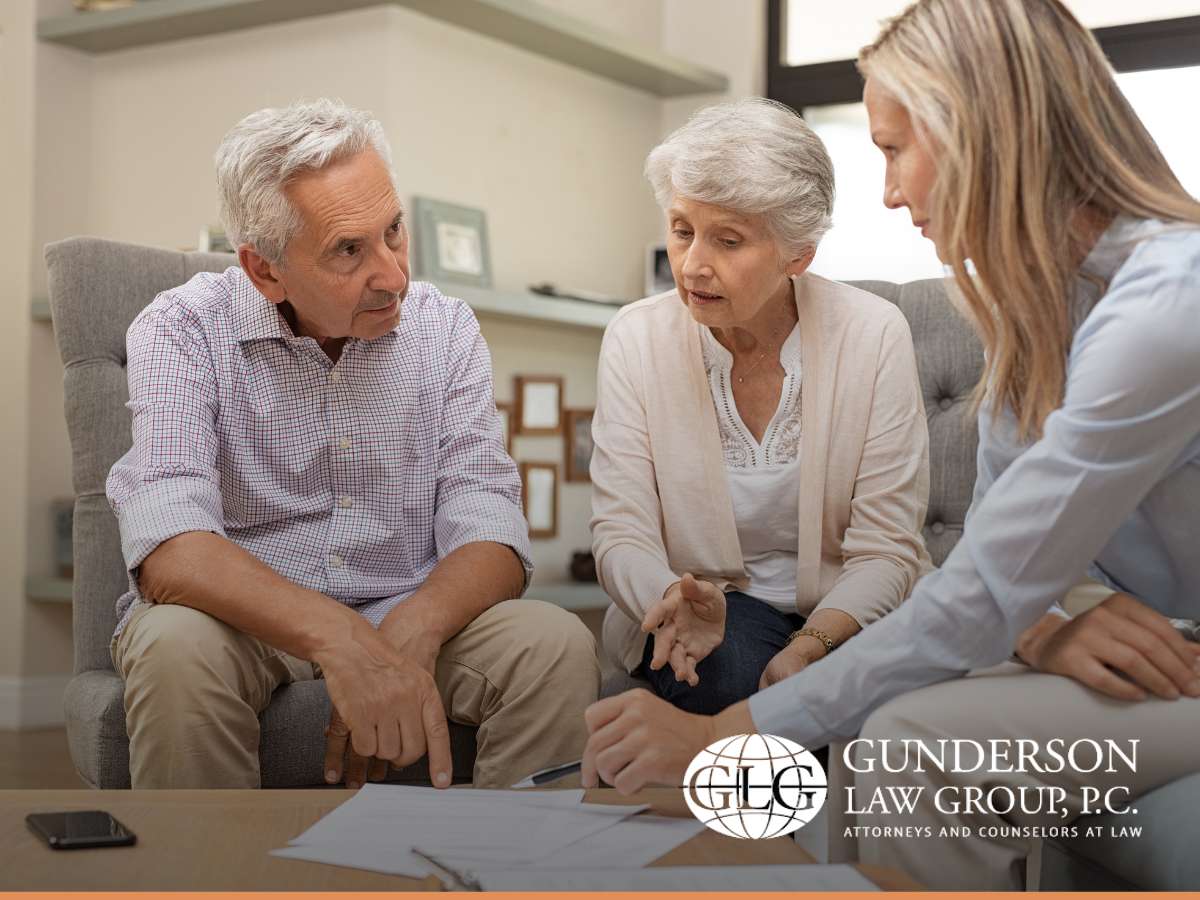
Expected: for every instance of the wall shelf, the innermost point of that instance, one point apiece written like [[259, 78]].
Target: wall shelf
[[48, 589], [532, 307], [525, 307], [521, 23]]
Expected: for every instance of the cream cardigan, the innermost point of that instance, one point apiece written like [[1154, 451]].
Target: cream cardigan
[[660, 499]]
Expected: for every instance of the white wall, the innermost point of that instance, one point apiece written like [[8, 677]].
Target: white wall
[[16, 161]]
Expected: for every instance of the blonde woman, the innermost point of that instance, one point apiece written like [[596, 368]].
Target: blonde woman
[[1010, 145], [761, 455]]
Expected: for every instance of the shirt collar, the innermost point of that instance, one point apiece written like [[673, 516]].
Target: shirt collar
[[255, 318], [1110, 252], [1114, 246]]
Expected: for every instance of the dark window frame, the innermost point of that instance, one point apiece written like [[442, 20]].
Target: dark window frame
[[1161, 44]]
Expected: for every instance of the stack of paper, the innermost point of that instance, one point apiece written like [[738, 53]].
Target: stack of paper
[[397, 830]]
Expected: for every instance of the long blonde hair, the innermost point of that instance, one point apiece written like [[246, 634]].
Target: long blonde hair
[[1033, 138]]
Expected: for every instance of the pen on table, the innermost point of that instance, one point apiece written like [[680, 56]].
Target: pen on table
[[547, 775], [463, 879]]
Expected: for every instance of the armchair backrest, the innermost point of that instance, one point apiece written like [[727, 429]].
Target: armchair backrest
[[949, 363], [97, 287]]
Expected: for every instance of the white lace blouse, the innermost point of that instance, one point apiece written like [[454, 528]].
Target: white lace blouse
[[763, 477]]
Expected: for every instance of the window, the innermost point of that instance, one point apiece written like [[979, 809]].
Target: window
[[867, 241], [1158, 64], [823, 32], [1159, 98]]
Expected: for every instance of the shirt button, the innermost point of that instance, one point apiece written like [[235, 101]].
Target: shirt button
[[335, 376], [345, 502], [344, 443], [335, 561], [945, 403]]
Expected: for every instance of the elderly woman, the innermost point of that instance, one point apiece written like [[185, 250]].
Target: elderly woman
[[761, 455]]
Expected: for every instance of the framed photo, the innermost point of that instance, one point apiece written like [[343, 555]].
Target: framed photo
[[658, 270], [538, 404], [539, 498], [451, 243], [578, 428], [505, 412]]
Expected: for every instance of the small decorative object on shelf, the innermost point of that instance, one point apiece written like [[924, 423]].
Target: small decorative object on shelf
[[505, 412], [658, 270], [213, 240], [451, 243], [583, 566], [539, 496], [578, 429], [538, 404], [63, 512]]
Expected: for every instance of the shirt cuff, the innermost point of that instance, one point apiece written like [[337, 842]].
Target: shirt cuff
[[472, 518], [777, 711], [164, 509]]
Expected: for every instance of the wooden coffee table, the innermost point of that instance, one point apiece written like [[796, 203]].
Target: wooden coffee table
[[218, 840]]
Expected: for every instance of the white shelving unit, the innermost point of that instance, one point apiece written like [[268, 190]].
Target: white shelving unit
[[533, 307], [505, 305], [522, 23]]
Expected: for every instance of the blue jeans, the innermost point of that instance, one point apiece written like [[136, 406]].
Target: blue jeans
[[754, 633]]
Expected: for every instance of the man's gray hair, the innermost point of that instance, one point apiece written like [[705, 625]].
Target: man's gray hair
[[268, 148], [753, 156]]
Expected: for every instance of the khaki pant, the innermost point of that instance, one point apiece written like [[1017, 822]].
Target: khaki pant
[[1010, 701], [523, 672]]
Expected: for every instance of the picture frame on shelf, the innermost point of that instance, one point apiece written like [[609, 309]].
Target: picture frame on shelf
[[538, 404], [505, 413], [451, 243], [539, 499], [659, 278], [577, 426]]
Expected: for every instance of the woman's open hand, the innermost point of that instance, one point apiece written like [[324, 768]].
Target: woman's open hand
[[688, 624]]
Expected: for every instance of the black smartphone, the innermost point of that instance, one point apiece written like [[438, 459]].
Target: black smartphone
[[76, 830]]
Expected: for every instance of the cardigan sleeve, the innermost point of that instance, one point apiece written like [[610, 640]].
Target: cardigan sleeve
[[882, 549], [627, 521]]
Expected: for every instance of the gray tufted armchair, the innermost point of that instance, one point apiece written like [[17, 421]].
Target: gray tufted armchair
[[97, 287]]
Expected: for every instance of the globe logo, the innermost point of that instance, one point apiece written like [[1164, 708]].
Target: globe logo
[[754, 786]]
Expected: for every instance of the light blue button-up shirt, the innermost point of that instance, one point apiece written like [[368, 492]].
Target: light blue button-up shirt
[[1112, 489]]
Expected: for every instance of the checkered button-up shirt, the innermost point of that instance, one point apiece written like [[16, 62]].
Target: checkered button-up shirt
[[352, 479]]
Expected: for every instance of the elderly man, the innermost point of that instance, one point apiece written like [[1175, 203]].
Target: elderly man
[[317, 488]]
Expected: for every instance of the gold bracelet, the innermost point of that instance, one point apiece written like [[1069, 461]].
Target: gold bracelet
[[819, 635]]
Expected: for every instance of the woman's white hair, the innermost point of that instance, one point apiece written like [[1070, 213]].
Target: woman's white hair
[[268, 148], [756, 157]]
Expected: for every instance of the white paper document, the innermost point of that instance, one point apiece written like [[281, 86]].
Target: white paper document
[[380, 826], [678, 878], [636, 842]]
